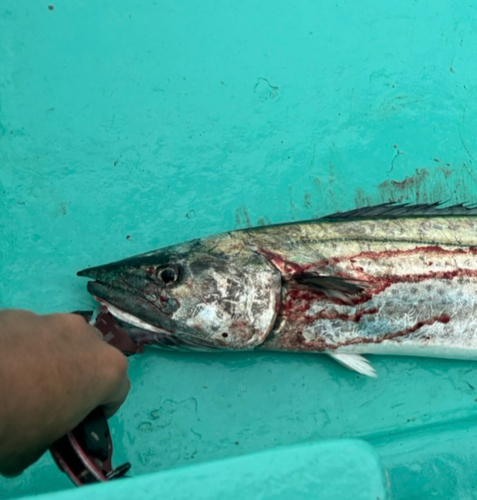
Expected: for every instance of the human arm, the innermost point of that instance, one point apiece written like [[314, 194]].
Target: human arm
[[54, 370]]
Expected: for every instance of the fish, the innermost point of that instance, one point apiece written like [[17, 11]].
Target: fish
[[390, 279]]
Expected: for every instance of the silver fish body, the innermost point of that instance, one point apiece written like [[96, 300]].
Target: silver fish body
[[390, 279]]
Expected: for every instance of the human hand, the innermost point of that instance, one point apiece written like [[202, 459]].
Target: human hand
[[54, 370]]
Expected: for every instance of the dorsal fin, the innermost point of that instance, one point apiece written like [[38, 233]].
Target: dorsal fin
[[397, 210]]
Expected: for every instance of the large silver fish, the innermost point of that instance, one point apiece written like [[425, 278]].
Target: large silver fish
[[390, 279]]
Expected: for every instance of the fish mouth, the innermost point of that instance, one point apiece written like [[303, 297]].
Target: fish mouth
[[131, 306], [143, 333], [128, 318]]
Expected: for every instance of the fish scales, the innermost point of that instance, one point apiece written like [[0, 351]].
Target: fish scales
[[422, 286], [390, 279]]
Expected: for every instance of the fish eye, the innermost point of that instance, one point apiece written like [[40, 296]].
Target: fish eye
[[168, 275]]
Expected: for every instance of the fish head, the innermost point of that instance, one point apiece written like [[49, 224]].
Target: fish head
[[212, 293]]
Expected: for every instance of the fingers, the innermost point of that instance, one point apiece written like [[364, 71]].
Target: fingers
[[115, 382], [119, 384], [117, 398]]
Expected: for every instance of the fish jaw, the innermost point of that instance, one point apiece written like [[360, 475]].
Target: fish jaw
[[132, 307], [128, 318]]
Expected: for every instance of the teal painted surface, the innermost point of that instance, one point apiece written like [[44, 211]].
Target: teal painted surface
[[345, 469], [128, 127]]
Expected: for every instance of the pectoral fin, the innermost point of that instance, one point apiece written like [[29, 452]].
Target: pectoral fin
[[332, 286], [354, 362]]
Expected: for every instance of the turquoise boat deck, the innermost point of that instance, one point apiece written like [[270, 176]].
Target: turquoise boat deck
[[128, 127]]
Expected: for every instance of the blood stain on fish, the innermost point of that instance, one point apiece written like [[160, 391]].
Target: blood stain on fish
[[443, 318]]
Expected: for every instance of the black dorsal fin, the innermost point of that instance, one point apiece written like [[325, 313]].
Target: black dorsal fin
[[397, 210]]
